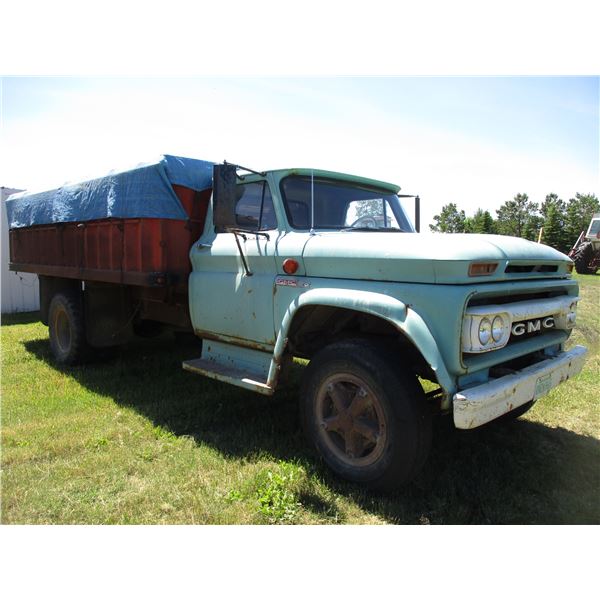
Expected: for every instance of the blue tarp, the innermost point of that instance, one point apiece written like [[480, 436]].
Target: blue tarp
[[142, 192]]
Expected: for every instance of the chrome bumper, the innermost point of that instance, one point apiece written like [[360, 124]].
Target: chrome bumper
[[483, 403]]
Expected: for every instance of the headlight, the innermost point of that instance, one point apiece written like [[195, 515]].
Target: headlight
[[497, 328], [485, 331]]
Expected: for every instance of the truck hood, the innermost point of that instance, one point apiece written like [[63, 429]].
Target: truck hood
[[428, 258]]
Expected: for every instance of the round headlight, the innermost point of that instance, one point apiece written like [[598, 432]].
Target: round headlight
[[497, 328], [485, 331]]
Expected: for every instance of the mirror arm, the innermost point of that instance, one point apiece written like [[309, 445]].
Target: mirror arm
[[262, 174], [249, 232], [237, 241]]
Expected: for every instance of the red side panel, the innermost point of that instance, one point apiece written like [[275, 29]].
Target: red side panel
[[112, 250]]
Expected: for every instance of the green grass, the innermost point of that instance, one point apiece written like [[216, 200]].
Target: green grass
[[138, 440]]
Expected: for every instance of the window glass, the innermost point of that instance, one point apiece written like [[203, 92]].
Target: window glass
[[594, 228], [341, 205], [375, 214], [254, 209]]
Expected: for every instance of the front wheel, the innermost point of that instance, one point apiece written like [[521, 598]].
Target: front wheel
[[369, 421]]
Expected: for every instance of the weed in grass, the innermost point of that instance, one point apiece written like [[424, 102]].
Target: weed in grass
[[276, 494], [275, 491], [234, 495], [163, 434], [98, 443]]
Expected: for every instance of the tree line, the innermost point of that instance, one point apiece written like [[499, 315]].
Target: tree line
[[562, 222]]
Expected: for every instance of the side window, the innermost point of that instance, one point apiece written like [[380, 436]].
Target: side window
[[254, 209]]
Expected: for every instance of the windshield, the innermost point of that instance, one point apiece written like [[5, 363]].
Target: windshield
[[594, 229], [341, 205]]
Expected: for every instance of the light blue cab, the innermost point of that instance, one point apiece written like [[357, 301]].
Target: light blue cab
[[328, 267]]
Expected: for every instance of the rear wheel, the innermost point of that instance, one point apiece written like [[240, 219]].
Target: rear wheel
[[369, 421], [67, 329], [583, 257]]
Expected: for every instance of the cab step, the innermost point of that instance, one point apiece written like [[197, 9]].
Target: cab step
[[243, 367]]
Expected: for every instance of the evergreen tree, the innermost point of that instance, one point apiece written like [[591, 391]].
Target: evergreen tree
[[482, 222], [553, 228], [532, 228], [553, 200], [579, 213], [562, 222], [514, 214], [450, 220], [554, 212]]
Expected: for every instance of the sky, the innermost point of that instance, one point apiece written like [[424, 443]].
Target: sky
[[475, 141]]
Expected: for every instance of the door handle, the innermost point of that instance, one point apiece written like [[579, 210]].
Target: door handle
[[201, 246]]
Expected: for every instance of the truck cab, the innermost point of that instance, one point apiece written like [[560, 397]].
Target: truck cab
[[327, 267]]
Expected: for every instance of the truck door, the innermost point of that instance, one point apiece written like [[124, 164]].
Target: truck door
[[224, 299]]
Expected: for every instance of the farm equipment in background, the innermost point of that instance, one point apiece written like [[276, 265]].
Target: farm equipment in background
[[586, 251]]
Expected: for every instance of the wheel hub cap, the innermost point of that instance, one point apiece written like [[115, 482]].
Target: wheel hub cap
[[351, 418]]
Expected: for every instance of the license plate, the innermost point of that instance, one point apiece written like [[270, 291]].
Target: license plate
[[543, 385]]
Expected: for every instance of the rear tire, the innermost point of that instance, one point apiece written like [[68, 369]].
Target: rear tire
[[583, 257], [369, 421], [67, 329]]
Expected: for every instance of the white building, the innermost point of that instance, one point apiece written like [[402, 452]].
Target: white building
[[20, 292]]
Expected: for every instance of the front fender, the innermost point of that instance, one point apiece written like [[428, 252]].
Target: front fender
[[386, 307]]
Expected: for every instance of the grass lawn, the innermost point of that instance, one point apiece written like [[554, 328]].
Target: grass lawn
[[138, 440]]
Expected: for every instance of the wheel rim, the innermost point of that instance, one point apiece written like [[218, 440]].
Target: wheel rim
[[62, 330], [350, 420]]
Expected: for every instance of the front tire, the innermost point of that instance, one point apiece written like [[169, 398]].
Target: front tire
[[369, 420]]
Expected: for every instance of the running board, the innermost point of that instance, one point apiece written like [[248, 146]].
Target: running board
[[243, 367]]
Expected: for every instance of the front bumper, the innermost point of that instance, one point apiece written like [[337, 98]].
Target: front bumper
[[483, 403]]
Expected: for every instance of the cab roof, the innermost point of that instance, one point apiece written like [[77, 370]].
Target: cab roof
[[320, 173]]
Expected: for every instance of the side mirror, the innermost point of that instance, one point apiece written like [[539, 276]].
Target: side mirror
[[224, 196]]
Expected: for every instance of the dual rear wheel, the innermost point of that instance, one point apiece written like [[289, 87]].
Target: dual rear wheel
[[67, 329]]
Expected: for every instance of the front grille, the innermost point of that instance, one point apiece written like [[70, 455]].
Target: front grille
[[531, 268], [529, 331], [529, 308], [482, 300]]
